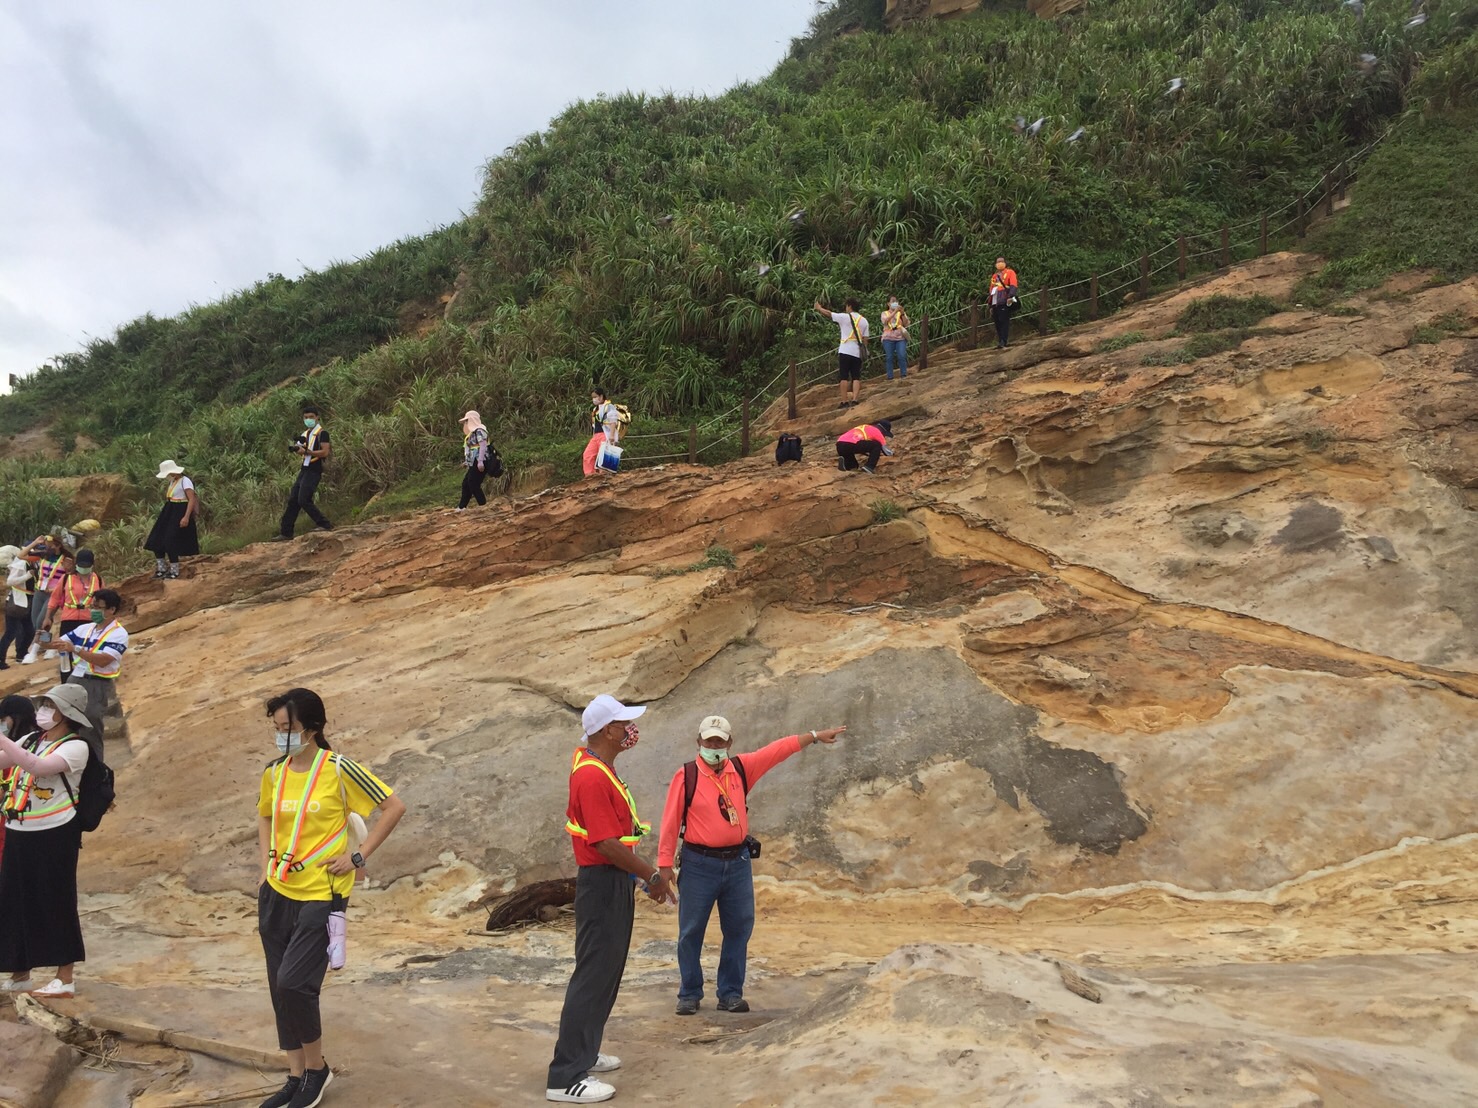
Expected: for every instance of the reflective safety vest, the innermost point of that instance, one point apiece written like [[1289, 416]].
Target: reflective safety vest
[[18, 785], [50, 572], [174, 489], [289, 860], [69, 594], [584, 758]]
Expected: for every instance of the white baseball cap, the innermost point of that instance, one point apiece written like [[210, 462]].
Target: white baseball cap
[[606, 709], [715, 727]]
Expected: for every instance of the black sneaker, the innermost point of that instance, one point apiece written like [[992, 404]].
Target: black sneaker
[[281, 538], [310, 1092], [733, 1004], [325, 526], [283, 1096], [686, 1006]]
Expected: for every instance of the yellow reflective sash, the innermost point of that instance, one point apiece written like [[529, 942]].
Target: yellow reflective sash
[[584, 758], [50, 571], [19, 785], [174, 488], [288, 862]]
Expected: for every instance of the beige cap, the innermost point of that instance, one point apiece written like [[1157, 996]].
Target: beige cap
[[715, 727]]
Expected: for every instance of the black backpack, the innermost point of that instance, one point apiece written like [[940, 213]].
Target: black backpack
[[690, 787], [788, 449], [98, 793], [492, 465]]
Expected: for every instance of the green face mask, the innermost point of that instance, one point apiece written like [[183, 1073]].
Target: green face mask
[[309, 423], [97, 615], [714, 758]]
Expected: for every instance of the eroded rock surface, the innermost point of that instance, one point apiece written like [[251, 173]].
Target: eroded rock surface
[[1150, 657]]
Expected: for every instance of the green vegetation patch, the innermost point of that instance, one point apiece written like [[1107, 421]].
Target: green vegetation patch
[[1122, 342], [1215, 313], [886, 511]]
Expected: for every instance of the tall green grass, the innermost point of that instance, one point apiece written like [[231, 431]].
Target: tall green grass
[[566, 275]]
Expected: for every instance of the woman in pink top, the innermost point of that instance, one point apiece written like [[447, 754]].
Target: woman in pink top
[[895, 338], [870, 439]]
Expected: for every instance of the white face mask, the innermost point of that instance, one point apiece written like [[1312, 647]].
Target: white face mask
[[46, 718], [289, 742], [5, 728], [892, 303], [714, 758]]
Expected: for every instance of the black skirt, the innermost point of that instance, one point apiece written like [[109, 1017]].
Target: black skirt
[[39, 925], [169, 539]]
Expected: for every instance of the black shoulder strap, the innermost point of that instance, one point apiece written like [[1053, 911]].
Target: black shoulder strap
[[690, 786], [743, 776]]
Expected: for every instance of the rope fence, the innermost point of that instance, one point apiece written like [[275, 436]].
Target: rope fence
[[962, 326]]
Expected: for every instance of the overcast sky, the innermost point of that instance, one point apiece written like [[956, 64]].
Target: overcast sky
[[158, 153]]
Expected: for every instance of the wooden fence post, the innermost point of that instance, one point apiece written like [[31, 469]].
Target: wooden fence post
[[744, 435], [1328, 195], [1180, 260], [791, 414], [1226, 246], [1262, 235], [1303, 215], [1042, 312], [693, 443], [1144, 274], [974, 324], [924, 342], [1343, 179], [1093, 297]]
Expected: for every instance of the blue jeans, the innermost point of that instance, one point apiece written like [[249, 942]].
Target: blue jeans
[[704, 882], [893, 349]]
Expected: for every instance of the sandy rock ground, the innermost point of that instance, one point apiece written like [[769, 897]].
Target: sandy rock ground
[[1164, 673]]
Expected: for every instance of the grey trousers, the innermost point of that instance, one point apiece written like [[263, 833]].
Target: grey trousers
[[102, 700], [605, 906]]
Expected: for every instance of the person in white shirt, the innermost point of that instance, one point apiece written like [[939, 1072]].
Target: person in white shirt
[[41, 764], [855, 333], [175, 534], [18, 583], [97, 650], [605, 425]]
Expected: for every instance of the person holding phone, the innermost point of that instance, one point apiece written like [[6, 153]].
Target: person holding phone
[[313, 447], [1004, 300]]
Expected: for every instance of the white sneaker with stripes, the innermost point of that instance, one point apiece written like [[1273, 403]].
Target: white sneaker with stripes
[[585, 1091]]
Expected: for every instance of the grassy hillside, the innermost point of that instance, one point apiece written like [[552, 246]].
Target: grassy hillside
[[571, 273]]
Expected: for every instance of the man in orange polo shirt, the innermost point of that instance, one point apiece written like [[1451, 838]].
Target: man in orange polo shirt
[[603, 824], [711, 821]]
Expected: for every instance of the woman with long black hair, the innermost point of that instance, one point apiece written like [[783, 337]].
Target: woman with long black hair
[[311, 808], [41, 764]]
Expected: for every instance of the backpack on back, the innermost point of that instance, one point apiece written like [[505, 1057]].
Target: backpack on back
[[493, 464], [787, 449], [95, 791]]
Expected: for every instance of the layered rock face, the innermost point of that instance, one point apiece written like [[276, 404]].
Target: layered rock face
[[1113, 641]]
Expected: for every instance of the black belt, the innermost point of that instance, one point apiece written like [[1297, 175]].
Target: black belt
[[726, 852]]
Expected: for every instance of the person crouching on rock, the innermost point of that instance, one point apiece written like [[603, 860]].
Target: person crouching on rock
[[41, 762], [604, 828], [308, 869], [870, 439], [175, 534], [707, 815]]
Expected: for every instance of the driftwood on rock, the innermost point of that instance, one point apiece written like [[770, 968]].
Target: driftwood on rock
[[526, 902], [91, 1035], [1075, 983]]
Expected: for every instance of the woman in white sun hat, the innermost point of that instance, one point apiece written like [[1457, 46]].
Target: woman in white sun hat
[[41, 772], [175, 534]]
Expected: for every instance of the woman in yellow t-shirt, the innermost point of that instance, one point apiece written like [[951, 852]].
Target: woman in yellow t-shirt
[[308, 867]]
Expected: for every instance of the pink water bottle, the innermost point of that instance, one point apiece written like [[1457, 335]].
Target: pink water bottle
[[337, 941]]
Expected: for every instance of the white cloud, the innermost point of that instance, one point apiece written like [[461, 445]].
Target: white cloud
[[157, 154]]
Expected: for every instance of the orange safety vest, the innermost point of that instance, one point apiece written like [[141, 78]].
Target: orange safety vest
[[18, 784], [83, 601], [582, 759]]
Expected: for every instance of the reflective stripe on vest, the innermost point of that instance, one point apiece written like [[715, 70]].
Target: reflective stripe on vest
[[20, 784], [174, 488], [50, 571], [86, 599], [287, 862], [582, 759], [93, 648]]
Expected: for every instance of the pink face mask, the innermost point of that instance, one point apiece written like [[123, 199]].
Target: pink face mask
[[632, 737]]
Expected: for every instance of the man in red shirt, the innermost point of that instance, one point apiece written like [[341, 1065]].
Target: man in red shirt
[[603, 824], [711, 821]]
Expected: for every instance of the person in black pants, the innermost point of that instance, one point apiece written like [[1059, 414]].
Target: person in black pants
[[602, 821], [313, 447], [870, 439], [18, 584], [476, 454], [1003, 301]]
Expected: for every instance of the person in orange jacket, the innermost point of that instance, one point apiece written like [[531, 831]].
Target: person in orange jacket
[[1004, 294]]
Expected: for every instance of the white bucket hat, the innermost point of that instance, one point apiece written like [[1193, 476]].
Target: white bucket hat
[[169, 468]]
